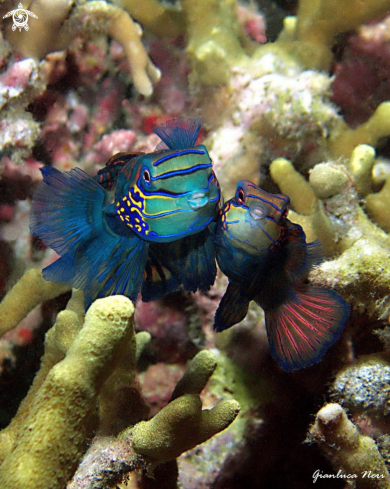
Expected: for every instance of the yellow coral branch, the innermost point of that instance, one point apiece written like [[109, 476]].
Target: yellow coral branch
[[319, 21], [26, 294], [52, 439], [55, 31], [180, 426], [378, 208], [354, 454], [57, 342], [344, 140], [101, 17], [294, 185], [156, 18], [213, 39]]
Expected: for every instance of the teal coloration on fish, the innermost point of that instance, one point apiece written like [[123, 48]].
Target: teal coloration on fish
[[108, 230], [266, 258]]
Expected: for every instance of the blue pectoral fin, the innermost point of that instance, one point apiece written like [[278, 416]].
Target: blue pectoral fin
[[62, 270], [66, 209], [97, 255], [232, 309], [121, 272], [302, 329]]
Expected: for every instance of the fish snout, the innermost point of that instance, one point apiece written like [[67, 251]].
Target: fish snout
[[257, 213], [198, 199]]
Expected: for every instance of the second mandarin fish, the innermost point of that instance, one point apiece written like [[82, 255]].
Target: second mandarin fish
[[266, 258], [141, 223]]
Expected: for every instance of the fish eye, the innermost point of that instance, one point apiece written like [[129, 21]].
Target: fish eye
[[146, 175], [240, 196]]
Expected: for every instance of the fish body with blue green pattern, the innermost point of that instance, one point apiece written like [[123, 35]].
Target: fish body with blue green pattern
[[141, 225], [266, 258]]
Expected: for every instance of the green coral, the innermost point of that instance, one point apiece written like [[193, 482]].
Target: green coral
[[360, 272], [52, 436], [180, 426], [213, 39], [311, 35], [86, 385], [34, 289]]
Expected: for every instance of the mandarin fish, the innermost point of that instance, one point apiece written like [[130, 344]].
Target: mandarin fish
[[266, 259], [141, 225]]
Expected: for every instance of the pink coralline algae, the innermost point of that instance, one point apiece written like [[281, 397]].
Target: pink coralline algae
[[362, 75], [253, 23], [16, 79]]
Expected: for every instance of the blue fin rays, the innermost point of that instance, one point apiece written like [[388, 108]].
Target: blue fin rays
[[179, 133], [67, 215]]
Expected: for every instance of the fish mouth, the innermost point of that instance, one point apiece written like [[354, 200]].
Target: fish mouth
[[197, 200], [257, 213]]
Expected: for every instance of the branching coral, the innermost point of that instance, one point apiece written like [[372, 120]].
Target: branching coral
[[180, 426], [51, 439], [156, 17], [355, 455], [213, 39], [86, 385], [34, 289], [319, 22], [60, 21], [360, 273]]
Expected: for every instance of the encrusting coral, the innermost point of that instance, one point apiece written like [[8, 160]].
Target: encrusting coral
[[84, 386], [355, 456], [364, 387]]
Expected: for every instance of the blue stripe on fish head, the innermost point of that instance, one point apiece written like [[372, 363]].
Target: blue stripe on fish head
[[253, 220], [170, 194]]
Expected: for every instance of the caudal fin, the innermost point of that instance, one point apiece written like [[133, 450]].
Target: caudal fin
[[303, 328]]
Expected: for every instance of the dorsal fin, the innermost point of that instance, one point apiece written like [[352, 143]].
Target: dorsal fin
[[107, 176], [179, 133]]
